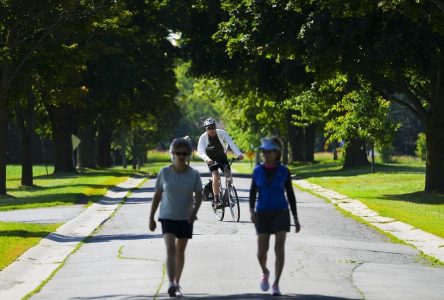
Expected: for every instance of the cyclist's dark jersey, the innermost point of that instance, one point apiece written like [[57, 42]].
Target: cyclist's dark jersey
[[215, 150], [269, 173]]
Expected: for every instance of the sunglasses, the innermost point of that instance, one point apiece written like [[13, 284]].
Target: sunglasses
[[268, 151], [181, 153], [211, 127]]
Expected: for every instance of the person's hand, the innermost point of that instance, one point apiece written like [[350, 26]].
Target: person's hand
[[152, 224], [192, 218], [240, 157], [253, 217], [297, 225], [210, 162]]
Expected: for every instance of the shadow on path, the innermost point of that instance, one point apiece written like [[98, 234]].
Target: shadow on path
[[213, 297]]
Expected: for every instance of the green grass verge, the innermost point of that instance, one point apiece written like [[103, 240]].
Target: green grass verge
[[16, 238], [61, 189], [395, 190]]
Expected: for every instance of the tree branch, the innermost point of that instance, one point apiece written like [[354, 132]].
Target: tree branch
[[439, 4], [396, 99]]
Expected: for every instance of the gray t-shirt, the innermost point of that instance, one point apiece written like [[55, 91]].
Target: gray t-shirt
[[177, 192]]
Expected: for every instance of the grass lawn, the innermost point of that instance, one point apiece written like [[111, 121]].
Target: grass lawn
[[61, 189], [50, 190], [394, 190], [16, 238]]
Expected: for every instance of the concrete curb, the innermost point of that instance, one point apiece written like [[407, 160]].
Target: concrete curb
[[428, 243], [38, 263]]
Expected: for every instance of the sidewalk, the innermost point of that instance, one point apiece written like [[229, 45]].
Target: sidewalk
[[39, 262], [428, 243], [333, 257]]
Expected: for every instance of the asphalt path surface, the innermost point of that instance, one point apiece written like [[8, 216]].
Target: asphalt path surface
[[333, 257]]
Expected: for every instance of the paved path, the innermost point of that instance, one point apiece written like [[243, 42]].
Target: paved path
[[47, 215], [333, 257]]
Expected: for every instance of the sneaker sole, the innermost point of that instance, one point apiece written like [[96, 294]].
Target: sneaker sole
[[172, 291]]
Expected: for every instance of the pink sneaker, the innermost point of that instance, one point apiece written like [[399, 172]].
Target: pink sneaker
[[265, 285], [275, 290]]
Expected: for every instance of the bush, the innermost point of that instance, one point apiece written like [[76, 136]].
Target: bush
[[386, 154], [421, 147]]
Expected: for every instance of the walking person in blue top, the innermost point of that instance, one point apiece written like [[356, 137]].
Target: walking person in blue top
[[270, 213]]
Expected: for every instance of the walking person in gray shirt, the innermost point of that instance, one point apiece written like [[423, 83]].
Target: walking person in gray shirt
[[174, 190]]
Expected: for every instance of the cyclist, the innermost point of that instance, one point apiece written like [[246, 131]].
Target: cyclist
[[212, 148]]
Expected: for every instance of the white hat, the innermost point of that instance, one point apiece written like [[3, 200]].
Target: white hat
[[268, 144]]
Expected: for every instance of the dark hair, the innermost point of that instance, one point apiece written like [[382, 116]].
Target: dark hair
[[180, 143]]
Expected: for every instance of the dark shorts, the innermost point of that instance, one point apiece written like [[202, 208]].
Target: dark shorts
[[219, 164], [270, 222], [180, 228]]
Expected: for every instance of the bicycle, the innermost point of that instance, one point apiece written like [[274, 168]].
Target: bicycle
[[228, 195]]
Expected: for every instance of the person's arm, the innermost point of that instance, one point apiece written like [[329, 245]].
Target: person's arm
[[197, 198], [232, 145], [201, 148], [252, 200], [197, 202], [158, 190], [154, 205], [292, 200]]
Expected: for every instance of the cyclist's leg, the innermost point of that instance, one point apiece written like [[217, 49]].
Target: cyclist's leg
[[216, 184]]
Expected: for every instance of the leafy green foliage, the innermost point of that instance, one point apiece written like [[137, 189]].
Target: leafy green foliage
[[421, 146]]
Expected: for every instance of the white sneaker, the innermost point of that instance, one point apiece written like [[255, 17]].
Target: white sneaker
[[178, 291], [275, 290], [265, 285]]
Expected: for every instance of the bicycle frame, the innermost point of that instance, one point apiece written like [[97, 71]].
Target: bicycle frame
[[226, 195]]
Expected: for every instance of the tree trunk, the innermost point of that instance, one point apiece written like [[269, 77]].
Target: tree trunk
[[26, 122], [309, 140], [86, 149], [284, 157], [296, 140], [104, 138], [61, 122], [355, 154], [3, 127], [3, 132], [434, 139]]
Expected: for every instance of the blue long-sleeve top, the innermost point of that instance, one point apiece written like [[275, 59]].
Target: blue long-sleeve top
[[271, 184]]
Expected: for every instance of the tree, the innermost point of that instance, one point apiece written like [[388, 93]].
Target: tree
[[395, 46], [25, 27]]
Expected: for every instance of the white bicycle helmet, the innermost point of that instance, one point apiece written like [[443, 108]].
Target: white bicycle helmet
[[209, 121]]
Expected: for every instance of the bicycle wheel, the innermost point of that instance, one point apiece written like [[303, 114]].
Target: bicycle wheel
[[234, 203], [219, 211]]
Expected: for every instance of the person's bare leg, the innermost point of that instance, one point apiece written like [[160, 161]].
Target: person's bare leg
[[171, 255], [279, 249], [181, 244], [263, 242], [216, 183]]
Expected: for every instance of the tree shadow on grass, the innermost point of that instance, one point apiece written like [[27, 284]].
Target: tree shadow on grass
[[48, 200], [417, 197], [23, 233], [35, 188], [334, 169]]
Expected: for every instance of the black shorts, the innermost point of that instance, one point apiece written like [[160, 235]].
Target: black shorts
[[270, 222], [180, 228], [219, 164]]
